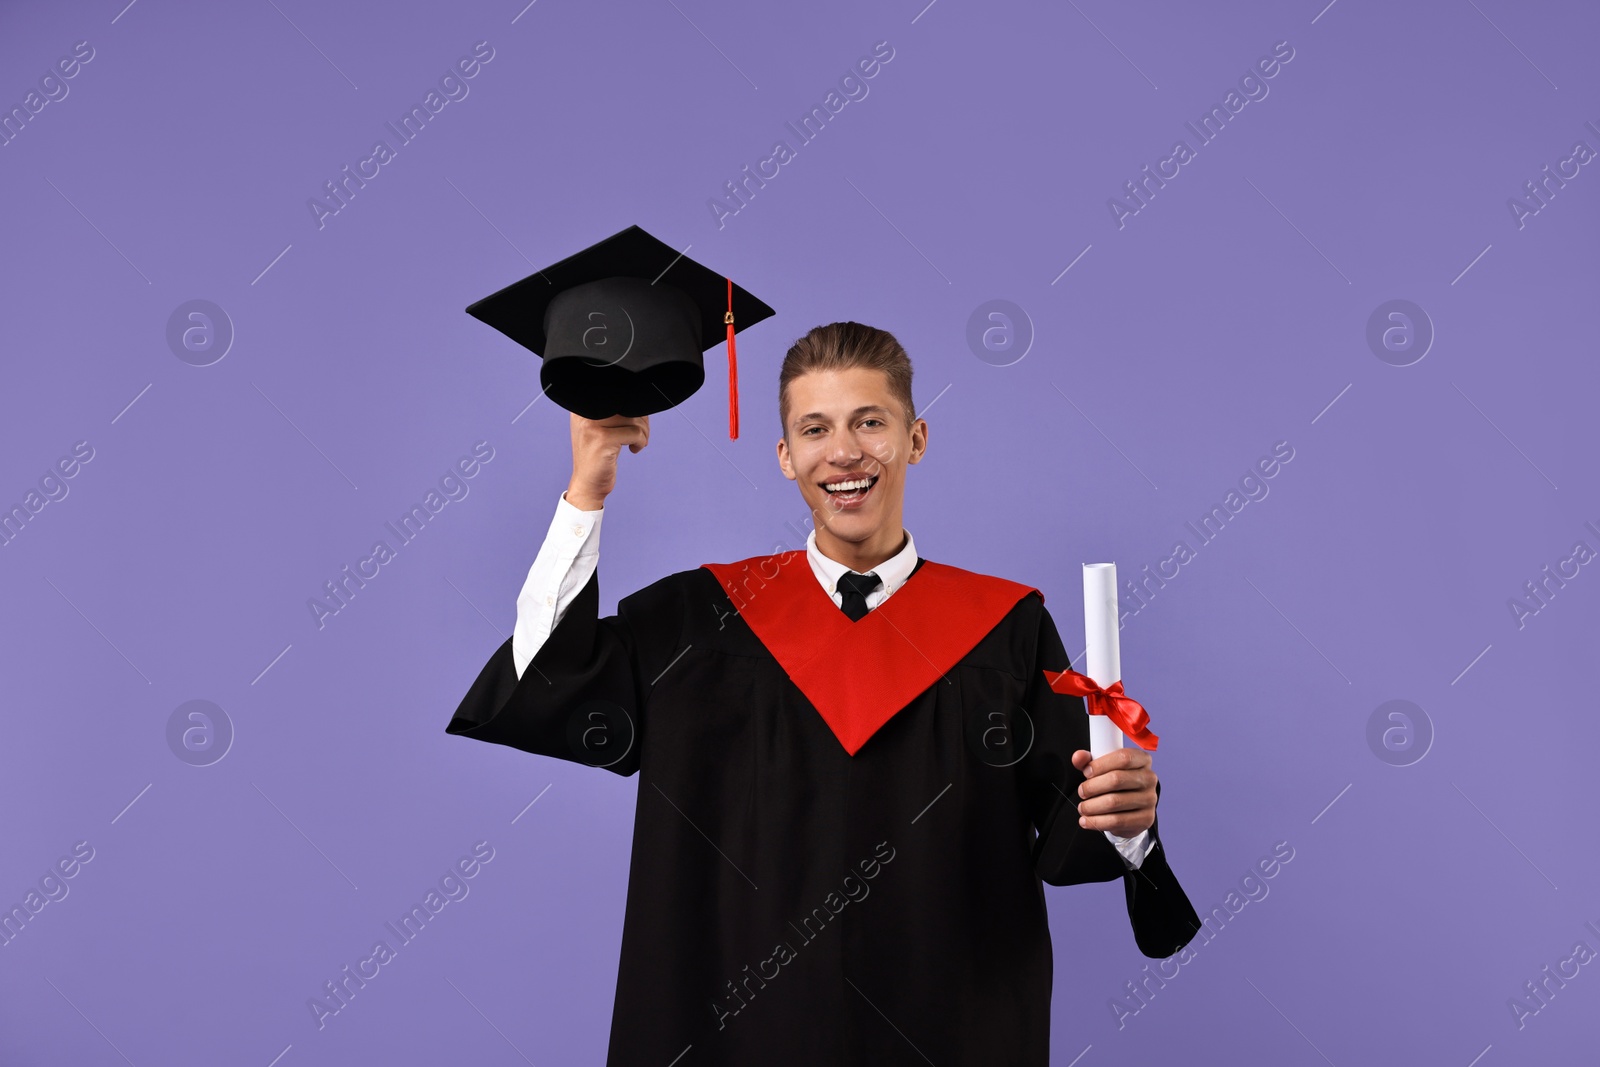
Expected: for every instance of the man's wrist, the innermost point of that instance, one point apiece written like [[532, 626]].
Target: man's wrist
[[583, 501]]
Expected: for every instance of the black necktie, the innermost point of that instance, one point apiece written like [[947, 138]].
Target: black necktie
[[855, 588]]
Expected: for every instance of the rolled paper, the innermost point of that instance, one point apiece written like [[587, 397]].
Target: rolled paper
[[1107, 701], [1103, 656]]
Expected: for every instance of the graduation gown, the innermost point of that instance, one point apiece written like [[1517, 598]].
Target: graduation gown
[[842, 828]]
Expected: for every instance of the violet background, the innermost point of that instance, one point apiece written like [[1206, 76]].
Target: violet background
[[1210, 326]]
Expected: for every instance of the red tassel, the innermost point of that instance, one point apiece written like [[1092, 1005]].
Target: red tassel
[[733, 371]]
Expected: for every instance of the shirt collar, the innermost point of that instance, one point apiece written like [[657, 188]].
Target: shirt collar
[[893, 571]]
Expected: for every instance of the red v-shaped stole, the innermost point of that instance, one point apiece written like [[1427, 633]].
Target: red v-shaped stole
[[859, 674]]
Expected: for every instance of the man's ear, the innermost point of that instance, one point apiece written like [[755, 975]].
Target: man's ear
[[783, 459], [916, 453]]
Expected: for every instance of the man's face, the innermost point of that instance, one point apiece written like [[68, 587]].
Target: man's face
[[846, 429]]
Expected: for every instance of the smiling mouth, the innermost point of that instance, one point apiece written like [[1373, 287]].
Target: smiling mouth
[[849, 493]]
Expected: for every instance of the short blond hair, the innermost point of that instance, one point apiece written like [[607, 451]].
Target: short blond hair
[[841, 346]]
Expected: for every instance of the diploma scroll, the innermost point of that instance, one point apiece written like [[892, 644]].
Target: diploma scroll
[[1103, 656]]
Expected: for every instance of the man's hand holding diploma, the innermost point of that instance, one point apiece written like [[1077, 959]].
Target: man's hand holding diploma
[[1119, 793]]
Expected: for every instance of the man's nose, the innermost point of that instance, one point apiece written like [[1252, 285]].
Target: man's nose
[[846, 449]]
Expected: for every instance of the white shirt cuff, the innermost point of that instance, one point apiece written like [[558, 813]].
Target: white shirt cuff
[[1132, 849]]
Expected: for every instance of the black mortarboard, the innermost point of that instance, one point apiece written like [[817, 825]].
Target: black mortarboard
[[621, 326]]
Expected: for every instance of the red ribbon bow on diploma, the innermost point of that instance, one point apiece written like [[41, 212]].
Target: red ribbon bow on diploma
[[1126, 712]]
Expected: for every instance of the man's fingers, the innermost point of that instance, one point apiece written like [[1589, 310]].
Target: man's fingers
[[1124, 826], [1108, 803], [619, 431], [1124, 758], [1117, 781]]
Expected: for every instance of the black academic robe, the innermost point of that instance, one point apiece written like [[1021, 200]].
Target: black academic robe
[[792, 901]]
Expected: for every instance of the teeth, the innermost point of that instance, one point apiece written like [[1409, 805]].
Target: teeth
[[845, 487]]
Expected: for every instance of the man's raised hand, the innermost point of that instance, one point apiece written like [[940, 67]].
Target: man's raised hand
[[596, 443]]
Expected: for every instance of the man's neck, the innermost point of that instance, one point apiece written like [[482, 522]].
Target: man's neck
[[863, 556]]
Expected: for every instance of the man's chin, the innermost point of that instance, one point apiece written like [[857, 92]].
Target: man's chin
[[852, 526]]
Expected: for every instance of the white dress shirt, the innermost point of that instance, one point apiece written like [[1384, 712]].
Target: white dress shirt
[[571, 552]]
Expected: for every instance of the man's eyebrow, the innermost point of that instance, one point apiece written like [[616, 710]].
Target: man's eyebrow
[[862, 410]]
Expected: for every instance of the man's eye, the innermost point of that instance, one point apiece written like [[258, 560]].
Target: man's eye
[[807, 431], [878, 422]]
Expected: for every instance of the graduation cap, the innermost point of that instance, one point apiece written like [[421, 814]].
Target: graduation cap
[[621, 326]]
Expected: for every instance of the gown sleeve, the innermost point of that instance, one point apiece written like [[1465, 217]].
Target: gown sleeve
[[1065, 853], [579, 699]]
